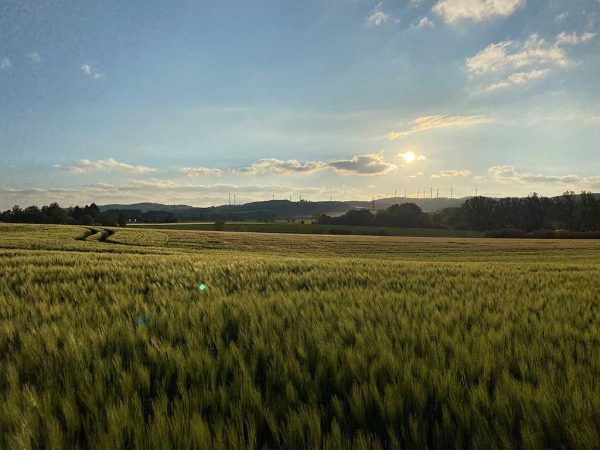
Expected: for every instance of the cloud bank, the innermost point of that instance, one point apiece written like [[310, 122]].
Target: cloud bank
[[168, 192], [85, 166], [370, 164]]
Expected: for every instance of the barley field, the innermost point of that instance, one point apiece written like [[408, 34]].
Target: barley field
[[107, 341]]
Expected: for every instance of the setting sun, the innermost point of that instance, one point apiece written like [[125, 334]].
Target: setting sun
[[409, 157]]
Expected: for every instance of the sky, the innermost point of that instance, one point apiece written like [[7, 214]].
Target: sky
[[185, 102]]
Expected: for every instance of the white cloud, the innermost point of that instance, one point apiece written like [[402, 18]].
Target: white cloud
[[199, 171], [452, 173], [377, 16], [425, 123], [424, 23], [574, 39], [370, 164], [276, 166], [5, 63], [88, 70], [85, 165], [152, 182], [508, 63], [35, 57], [415, 3], [512, 175], [455, 11]]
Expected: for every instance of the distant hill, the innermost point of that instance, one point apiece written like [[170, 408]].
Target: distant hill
[[282, 209], [144, 207]]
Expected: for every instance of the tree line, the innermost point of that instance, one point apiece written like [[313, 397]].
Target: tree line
[[569, 213], [406, 215], [86, 215], [53, 213]]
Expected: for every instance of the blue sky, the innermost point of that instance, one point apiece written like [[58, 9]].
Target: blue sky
[[183, 102]]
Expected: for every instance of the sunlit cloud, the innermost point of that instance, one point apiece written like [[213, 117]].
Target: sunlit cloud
[[455, 11], [425, 123], [512, 175], [518, 79], [452, 174], [276, 166], [85, 165], [370, 164], [507, 64], [201, 171]]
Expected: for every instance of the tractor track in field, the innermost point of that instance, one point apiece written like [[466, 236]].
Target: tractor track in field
[[97, 234]]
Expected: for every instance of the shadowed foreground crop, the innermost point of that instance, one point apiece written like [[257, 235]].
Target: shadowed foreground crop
[[296, 342]]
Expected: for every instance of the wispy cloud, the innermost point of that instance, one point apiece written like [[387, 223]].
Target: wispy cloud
[[452, 173], [509, 55], [35, 57], [456, 11], [5, 63], [88, 70], [560, 19], [506, 64], [370, 164], [377, 16], [512, 175], [85, 165], [574, 38], [518, 79], [425, 123]]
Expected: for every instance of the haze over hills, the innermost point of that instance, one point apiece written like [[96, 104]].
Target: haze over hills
[[283, 209]]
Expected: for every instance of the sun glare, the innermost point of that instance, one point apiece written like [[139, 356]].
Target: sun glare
[[409, 157]]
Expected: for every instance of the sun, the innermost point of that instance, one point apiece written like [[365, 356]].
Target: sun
[[409, 157]]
